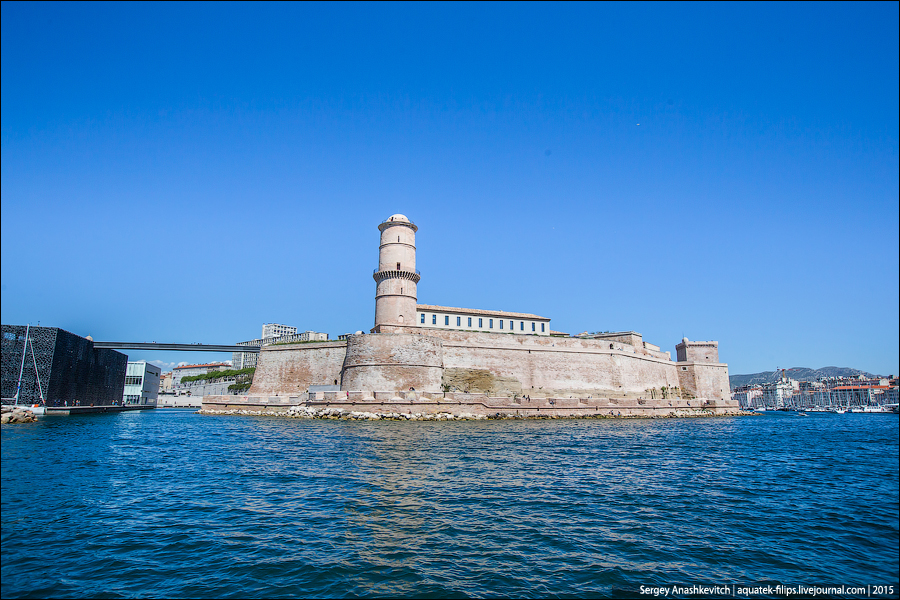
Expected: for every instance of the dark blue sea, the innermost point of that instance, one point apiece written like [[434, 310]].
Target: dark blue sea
[[176, 504]]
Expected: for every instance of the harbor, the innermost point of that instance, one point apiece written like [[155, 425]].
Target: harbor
[[342, 508], [832, 395]]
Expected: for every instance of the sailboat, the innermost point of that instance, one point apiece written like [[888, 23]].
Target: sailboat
[[37, 409]]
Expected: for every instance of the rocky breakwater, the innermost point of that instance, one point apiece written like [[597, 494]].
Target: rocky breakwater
[[16, 414], [310, 412], [406, 405]]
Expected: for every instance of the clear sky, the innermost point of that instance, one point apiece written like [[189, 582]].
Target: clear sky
[[187, 172]]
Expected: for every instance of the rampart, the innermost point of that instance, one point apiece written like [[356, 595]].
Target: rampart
[[290, 369], [488, 363]]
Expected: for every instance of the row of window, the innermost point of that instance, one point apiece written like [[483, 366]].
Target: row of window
[[133, 380], [512, 324]]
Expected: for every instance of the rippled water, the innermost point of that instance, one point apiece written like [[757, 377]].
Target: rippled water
[[167, 503]]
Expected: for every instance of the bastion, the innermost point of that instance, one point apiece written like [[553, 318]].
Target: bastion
[[422, 359]]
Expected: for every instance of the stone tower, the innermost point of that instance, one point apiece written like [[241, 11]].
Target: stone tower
[[396, 276]]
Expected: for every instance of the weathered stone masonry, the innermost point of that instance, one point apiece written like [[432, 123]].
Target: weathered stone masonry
[[460, 372]]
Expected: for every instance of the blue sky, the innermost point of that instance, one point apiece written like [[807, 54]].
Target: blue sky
[[187, 172]]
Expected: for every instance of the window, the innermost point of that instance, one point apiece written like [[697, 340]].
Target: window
[[521, 325], [434, 319], [479, 323], [532, 326], [446, 320], [490, 323], [501, 323], [398, 266], [422, 320], [458, 321], [542, 327], [470, 321], [133, 380]]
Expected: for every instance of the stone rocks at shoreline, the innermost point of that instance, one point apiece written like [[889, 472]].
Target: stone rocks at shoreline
[[308, 412], [301, 412], [16, 414]]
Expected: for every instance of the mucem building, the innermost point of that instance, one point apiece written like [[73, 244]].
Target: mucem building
[[62, 368]]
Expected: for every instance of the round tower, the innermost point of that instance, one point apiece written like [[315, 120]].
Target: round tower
[[396, 276]]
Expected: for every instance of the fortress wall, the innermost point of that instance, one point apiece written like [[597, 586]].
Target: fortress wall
[[560, 369], [290, 369], [705, 380], [548, 365], [503, 365], [392, 361]]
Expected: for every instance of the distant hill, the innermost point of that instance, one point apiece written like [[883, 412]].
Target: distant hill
[[798, 373]]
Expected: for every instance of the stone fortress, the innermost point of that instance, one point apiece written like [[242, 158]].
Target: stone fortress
[[428, 359]]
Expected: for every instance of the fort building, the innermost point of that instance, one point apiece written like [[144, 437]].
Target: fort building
[[434, 357]]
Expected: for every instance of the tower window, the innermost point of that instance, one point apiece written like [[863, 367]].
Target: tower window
[[479, 323], [542, 327], [501, 323], [398, 266], [470, 321], [490, 323], [532, 326], [434, 319], [458, 321], [521, 325], [446, 320], [422, 320]]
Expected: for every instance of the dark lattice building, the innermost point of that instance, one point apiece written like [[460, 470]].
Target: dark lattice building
[[70, 371]]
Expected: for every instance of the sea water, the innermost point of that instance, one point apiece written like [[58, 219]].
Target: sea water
[[177, 504]]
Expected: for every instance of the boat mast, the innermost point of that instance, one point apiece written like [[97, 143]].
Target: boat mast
[[22, 368], [36, 374]]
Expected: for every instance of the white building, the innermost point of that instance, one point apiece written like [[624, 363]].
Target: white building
[[491, 321], [247, 360], [141, 383], [270, 330]]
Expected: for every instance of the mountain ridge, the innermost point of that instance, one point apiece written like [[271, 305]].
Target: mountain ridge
[[798, 373]]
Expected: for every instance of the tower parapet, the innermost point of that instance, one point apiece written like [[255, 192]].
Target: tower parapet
[[697, 352], [396, 277]]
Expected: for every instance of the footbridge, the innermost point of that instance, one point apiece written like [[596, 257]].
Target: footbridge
[[181, 347]]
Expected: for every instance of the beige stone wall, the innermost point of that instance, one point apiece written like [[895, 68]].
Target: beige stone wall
[[697, 352], [704, 380], [291, 368], [392, 361], [395, 301], [542, 366], [494, 364]]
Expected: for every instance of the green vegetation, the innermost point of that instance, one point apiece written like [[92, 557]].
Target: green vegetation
[[237, 388], [240, 375]]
